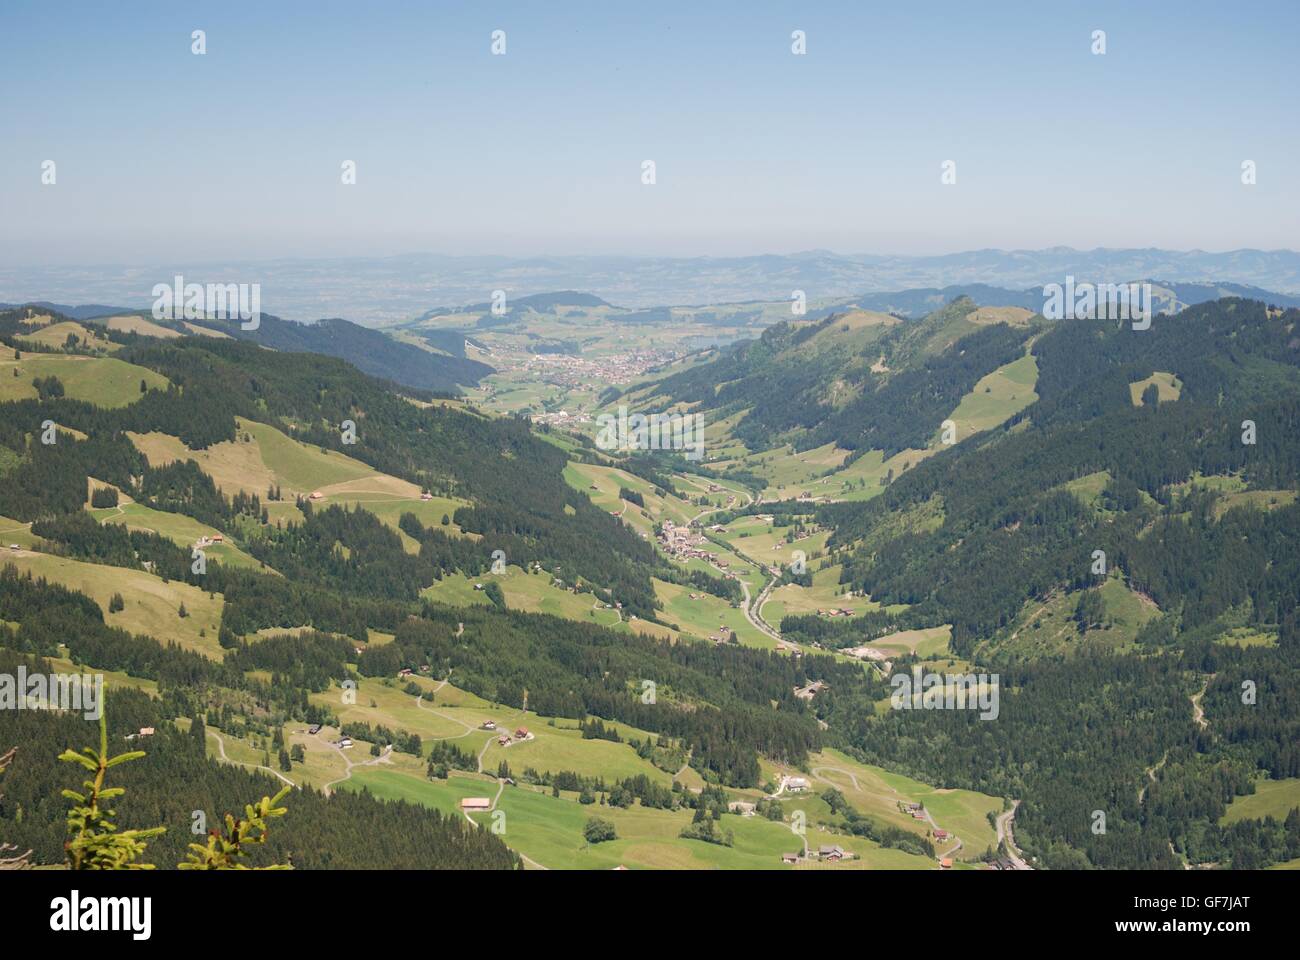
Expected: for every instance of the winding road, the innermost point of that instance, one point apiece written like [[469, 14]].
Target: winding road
[[1004, 833], [221, 749]]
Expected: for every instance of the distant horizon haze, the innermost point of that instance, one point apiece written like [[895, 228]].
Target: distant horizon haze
[[381, 290]]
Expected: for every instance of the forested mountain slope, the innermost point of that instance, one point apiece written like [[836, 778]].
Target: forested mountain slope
[[859, 380]]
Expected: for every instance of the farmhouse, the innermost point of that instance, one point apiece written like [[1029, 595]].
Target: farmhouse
[[811, 690], [314, 729], [522, 733], [830, 851], [789, 858], [796, 784], [945, 863], [316, 495], [345, 743], [489, 724], [476, 803], [941, 834]]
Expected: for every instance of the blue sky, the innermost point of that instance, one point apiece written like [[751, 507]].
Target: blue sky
[[236, 154]]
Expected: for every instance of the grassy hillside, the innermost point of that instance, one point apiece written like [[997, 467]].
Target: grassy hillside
[[103, 381], [152, 606]]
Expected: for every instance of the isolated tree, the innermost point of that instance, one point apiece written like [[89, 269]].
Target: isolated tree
[[598, 830]]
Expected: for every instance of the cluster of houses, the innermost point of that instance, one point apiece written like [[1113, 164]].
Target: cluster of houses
[[836, 612], [568, 370], [826, 853], [681, 543], [343, 743], [504, 740]]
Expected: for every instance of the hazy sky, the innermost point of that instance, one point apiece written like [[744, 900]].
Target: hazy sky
[[236, 154]]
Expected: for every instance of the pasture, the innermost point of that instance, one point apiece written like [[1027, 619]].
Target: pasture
[[151, 606], [103, 381]]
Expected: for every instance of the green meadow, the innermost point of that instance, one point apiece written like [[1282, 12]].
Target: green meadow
[[176, 527], [103, 381], [152, 607], [997, 397], [1272, 798]]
